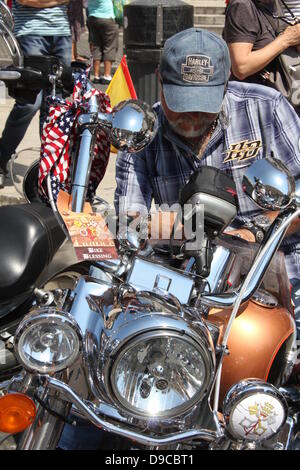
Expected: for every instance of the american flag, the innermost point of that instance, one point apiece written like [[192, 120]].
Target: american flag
[[60, 137]]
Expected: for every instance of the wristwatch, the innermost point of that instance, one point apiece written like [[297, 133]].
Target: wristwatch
[[258, 226]]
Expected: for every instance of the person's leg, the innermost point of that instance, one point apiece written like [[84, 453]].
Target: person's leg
[[296, 299], [60, 47], [22, 113], [74, 51], [95, 34], [110, 47], [84, 436]]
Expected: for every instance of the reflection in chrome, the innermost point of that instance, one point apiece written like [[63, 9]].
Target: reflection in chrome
[[269, 183], [132, 125], [264, 298]]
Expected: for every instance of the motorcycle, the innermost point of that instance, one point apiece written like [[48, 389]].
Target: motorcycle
[[177, 345]]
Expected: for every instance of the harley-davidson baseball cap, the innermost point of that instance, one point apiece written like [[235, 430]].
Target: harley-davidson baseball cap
[[194, 68]]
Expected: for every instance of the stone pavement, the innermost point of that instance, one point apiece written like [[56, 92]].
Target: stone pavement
[[28, 150]]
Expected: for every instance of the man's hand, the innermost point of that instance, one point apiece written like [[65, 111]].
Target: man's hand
[[291, 35], [42, 3], [242, 233]]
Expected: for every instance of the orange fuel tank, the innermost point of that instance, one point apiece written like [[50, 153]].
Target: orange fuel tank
[[255, 339]]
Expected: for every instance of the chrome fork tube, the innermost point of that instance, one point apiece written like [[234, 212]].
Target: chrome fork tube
[[84, 162], [45, 431]]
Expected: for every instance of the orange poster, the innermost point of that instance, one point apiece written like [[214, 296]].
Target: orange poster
[[88, 231]]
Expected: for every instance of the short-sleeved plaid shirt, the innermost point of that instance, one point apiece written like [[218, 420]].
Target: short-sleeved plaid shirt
[[254, 121]]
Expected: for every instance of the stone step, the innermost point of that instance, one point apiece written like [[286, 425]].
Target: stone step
[[210, 19], [212, 28], [209, 10], [197, 3]]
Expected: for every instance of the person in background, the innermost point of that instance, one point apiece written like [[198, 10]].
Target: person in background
[[251, 40], [42, 28], [75, 14], [104, 32]]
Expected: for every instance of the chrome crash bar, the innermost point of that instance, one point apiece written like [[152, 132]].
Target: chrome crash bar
[[120, 429]]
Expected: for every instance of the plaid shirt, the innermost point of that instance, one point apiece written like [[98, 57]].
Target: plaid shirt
[[254, 121]]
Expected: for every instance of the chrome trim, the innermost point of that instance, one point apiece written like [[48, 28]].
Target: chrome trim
[[111, 315], [131, 126], [149, 313], [220, 268], [119, 428], [150, 276], [83, 163]]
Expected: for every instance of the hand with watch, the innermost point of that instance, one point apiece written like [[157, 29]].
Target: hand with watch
[[258, 226]]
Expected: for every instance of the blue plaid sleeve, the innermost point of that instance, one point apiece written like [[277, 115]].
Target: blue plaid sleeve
[[134, 191], [286, 135]]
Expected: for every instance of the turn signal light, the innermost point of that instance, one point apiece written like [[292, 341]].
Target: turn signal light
[[17, 412]]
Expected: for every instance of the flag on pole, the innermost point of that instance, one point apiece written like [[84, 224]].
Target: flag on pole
[[121, 87]]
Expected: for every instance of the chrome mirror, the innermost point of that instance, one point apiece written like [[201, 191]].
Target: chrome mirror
[[297, 191], [131, 126], [6, 16], [270, 184]]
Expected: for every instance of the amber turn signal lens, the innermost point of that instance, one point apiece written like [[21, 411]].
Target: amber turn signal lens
[[17, 412]]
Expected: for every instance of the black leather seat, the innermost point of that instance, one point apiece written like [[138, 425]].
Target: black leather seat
[[29, 237]]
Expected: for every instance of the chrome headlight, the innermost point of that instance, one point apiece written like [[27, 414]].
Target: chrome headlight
[[254, 410], [161, 373], [47, 341]]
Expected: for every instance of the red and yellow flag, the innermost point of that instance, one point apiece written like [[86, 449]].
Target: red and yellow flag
[[121, 87]]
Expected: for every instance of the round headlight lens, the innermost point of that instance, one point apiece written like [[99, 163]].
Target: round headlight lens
[[160, 376], [48, 344]]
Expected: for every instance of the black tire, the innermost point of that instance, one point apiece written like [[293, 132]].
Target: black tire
[[30, 183]]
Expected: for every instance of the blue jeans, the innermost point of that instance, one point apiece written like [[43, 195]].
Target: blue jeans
[[86, 436], [296, 299], [22, 113]]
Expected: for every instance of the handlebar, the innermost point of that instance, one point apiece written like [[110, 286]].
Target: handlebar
[[33, 78]]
